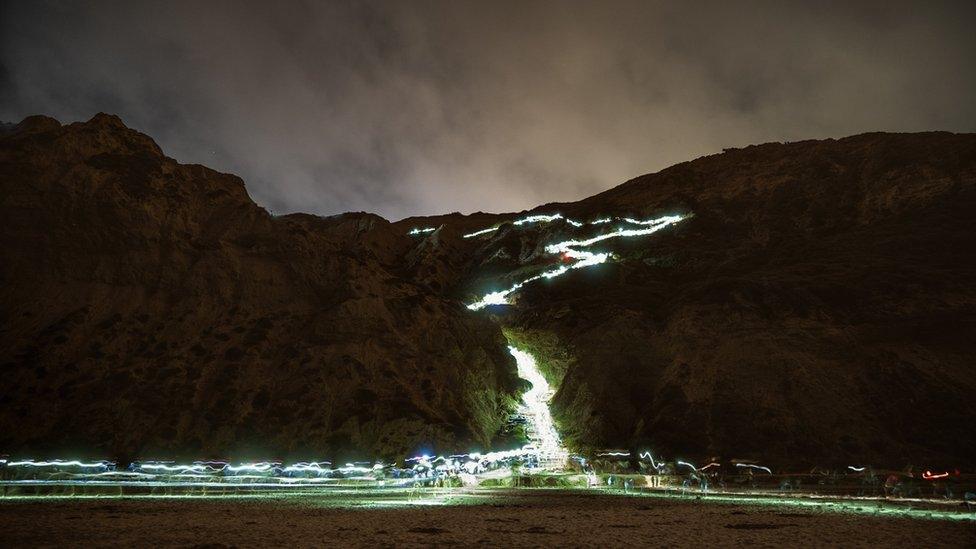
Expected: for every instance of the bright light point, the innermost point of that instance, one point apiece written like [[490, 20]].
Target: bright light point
[[481, 232]]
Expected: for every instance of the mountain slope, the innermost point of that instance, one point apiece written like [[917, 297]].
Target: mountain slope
[[152, 307], [817, 308]]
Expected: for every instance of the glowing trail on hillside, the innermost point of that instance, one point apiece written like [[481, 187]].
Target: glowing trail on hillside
[[59, 463], [569, 250], [540, 218], [535, 403]]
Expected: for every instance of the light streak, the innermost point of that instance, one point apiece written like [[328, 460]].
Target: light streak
[[712, 464], [306, 467], [615, 454], [422, 231], [536, 408], [655, 225], [633, 221], [685, 463], [856, 469], [166, 467], [929, 475], [548, 218], [481, 232], [751, 466], [647, 455], [60, 463], [583, 258], [538, 219], [262, 467]]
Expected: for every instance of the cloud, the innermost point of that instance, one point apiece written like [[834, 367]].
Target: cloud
[[405, 108]]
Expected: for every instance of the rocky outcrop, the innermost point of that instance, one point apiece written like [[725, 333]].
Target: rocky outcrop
[[151, 308]]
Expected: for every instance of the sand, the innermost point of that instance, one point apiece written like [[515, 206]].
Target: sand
[[494, 518]]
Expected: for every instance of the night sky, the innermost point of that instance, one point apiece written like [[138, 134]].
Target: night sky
[[405, 108]]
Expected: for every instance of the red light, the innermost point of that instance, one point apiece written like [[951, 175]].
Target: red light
[[928, 475]]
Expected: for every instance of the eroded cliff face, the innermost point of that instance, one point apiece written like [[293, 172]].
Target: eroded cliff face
[[151, 308], [817, 308]]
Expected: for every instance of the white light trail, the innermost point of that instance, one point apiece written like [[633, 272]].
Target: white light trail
[[60, 463], [857, 469], [655, 225], [686, 464], [421, 231], [262, 467], [538, 219], [535, 403], [306, 467], [583, 258], [751, 466], [481, 232], [166, 467], [648, 456], [546, 218]]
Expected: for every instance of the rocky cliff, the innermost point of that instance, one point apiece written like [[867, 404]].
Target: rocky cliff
[[815, 307], [151, 308]]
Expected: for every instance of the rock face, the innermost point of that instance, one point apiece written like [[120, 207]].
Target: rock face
[[817, 308], [151, 308]]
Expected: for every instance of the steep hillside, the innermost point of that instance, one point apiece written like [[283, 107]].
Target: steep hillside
[[818, 306], [151, 308], [809, 303]]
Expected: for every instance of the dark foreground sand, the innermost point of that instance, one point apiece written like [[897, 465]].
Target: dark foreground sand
[[501, 518]]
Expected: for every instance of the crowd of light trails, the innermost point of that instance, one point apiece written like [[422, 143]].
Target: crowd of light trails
[[535, 408], [570, 251], [544, 453]]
